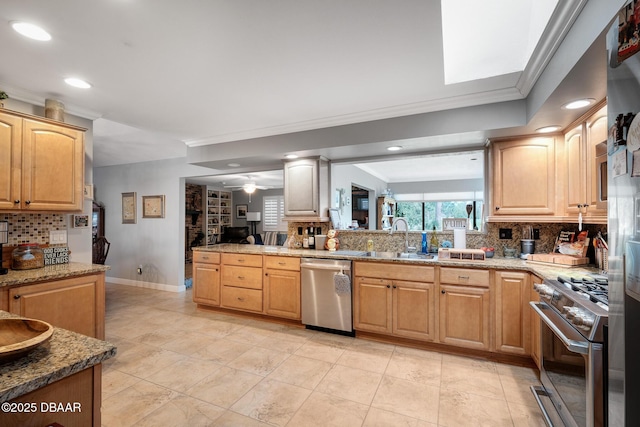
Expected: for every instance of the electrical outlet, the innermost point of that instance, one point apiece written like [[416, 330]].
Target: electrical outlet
[[536, 234], [506, 233], [57, 237], [140, 269]]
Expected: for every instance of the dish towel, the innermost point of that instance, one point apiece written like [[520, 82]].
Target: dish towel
[[342, 283]]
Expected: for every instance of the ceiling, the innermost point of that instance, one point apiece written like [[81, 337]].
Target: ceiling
[[172, 76]]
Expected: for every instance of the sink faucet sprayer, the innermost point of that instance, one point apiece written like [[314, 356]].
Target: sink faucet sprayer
[[407, 248]]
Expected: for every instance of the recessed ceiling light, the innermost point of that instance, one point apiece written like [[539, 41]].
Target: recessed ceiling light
[[548, 129], [233, 165], [291, 156], [394, 148], [32, 31], [79, 83], [579, 103]]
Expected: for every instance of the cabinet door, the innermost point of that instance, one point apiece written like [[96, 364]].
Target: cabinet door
[[10, 161], [464, 316], [414, 310], [301, 188], [597, 163], [520, 164], [75, 304], [206, 283], [575, 170], [512, 312], [282, 293], [372, 305], [52, 167], [536, 342]]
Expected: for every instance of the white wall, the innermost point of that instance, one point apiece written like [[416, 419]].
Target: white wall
[[156, 244], [344, 175]]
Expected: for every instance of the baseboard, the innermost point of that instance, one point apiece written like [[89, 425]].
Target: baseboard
[[147, 285]]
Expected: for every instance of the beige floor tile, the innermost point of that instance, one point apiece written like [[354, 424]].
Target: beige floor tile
[[187, 343], [222, 351], [526, 416], [512, 371], [145, 360], [458, 409], [183, 411], [367, 358], [322, 410], [408, 398], [249, 335], [471, 379], [350, 383], [380, 418], [301, 371], [129, 406], [184, 374], [320, 351], [259, 361], [518, 390], [333, 340], [468, 362], [418, 352], [413, 368], [114, 381], [231, 419], [272, 402], [224, 387], [157, 338], [276, 342], [218, 328]]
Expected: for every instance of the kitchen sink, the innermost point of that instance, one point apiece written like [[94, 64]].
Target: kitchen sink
[[398, 255]]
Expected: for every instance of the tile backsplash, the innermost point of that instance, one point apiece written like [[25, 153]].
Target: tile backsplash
[[33, 228]]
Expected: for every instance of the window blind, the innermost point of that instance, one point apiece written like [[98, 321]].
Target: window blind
[[273, 208]]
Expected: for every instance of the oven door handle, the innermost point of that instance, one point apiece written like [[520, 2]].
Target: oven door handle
[[580, 347]]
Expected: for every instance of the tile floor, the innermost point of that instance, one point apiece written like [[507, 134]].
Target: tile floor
[[179, 366]]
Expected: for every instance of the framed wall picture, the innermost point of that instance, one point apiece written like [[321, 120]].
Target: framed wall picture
[[153, 206], [129, 208], [80, 221], [241, 211]]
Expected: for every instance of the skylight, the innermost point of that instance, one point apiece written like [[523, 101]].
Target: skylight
[[489, 38]]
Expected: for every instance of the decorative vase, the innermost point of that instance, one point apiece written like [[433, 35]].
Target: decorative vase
[[54, 109]]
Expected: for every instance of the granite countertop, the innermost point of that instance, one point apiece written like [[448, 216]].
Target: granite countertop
[[49, 272], [500, 263], [65, 354]]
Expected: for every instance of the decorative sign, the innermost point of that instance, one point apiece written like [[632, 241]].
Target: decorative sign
[[628, 25], [56, 255], [453, 223]]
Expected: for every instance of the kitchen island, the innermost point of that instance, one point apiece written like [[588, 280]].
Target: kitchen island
[[65, 372]]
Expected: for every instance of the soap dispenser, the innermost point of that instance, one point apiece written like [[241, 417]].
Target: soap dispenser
[[424, 242]]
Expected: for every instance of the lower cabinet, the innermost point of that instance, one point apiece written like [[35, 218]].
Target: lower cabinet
[[241, 280], [536, 339], [393, 305], [281, 287], [76, 304], [512, 295], [206, 278], [465, 316]]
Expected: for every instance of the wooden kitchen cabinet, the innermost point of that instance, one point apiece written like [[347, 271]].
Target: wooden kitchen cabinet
[[586, 168], [41, 164], [241, 280], [512, 295], [464, 302], [536, 341], [206, 278], [527, 163], [76, 304], [282, 287], [306, 189], [388, 299]]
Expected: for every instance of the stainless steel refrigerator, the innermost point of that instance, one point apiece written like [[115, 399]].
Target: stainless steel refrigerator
[[623, 168]]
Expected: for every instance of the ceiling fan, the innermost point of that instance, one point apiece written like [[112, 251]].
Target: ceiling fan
[[249, 187]]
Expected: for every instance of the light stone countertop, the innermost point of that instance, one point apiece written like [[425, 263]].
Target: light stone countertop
[[49, 272], [65, 354], [499, 263]]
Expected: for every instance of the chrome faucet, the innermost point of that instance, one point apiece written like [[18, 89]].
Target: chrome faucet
[[407, 248]]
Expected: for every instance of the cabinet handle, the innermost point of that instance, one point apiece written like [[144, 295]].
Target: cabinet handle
[[205, 257], [215, 269], [442, 292], [388, 286], [241, 277], [241, 260], [266, 274], [281, 263], [395, 287], [240, 299], [463, 277], [16, 297], [16, 202], [28, 202], [497, 208]]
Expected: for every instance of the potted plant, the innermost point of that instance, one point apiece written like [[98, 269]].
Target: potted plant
[[3, 96]]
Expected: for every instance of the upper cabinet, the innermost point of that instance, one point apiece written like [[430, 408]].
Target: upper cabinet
[[586, 168], [41, 164], [306, 190], [524, 177]]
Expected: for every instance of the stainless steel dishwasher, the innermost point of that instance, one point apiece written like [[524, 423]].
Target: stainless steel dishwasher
[[324, 306]]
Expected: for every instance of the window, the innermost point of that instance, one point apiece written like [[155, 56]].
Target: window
[[426, 215], [273, 208]]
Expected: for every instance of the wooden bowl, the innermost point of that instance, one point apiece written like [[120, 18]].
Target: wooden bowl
[[20, 336]]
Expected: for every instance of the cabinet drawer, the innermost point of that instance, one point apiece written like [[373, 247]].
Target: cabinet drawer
[[244, 299], [282, 263], [243, 277], [413, 273], [464, 276], [242, 259], [206, 257]]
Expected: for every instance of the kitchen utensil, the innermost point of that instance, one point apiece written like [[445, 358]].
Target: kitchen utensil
[[509, 252]]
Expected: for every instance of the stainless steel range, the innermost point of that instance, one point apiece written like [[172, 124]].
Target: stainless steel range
[[573, 313]]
